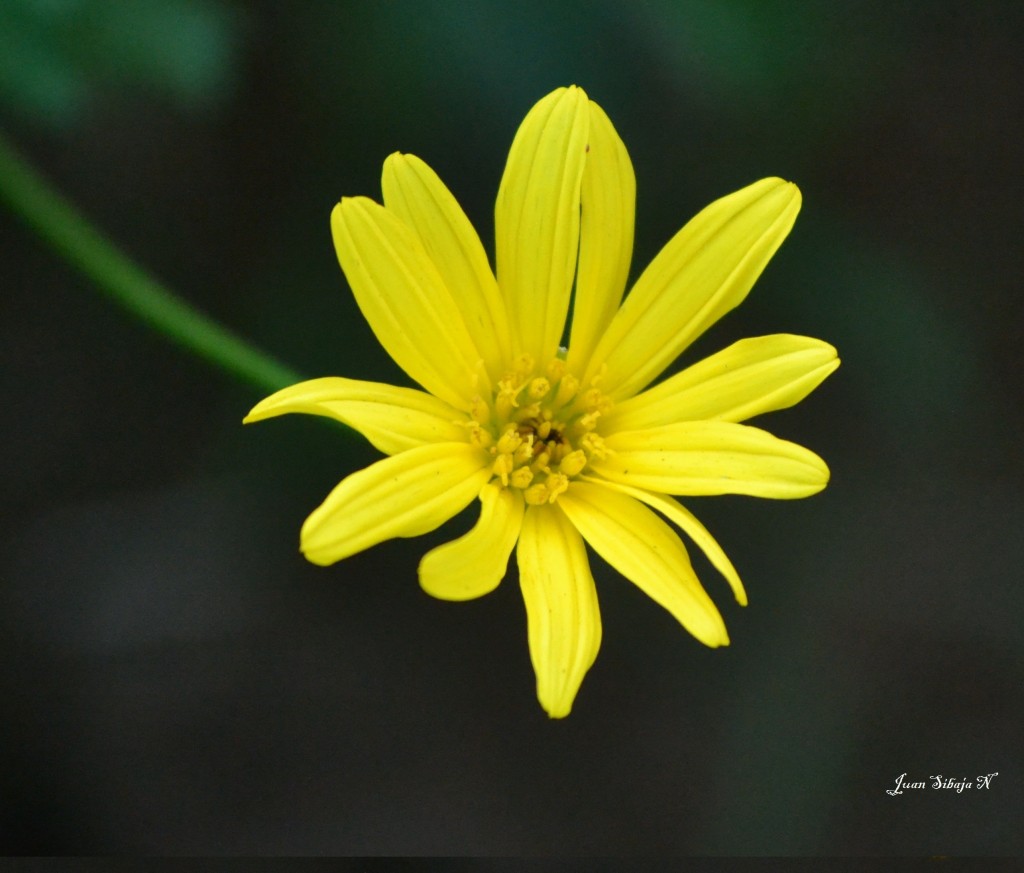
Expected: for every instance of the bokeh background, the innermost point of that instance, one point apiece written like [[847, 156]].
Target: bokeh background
[[177, 679]]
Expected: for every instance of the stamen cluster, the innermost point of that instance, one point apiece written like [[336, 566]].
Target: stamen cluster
[[540, 428]]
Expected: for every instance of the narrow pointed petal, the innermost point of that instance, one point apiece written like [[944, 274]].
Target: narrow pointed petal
[[537, 219], [402, 496], [705, 270], [645, 550], [405, 300], [413, 191], [711, 457], [691, 526], [608, 209], [475, 563], [751, 377], [393, 419], [562, 616]]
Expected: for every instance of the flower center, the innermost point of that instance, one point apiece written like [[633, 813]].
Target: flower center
[[540, 427]]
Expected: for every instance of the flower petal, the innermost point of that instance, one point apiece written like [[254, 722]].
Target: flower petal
[[537, 219], [402, 496], [646, 551], [711, 457], [475, 563], [704, 271], [413, 191], [680, 515], [404, 299], [608, 211], [562, 616], [751, 377], [393, 419]]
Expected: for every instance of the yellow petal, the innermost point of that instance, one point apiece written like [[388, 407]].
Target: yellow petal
[[415, 194], [475, 563], [691, 526], [404, 299], [393, 419], [751, 377], [647, 552], [562, 616], [704, 271], [402, 496], [608, 210], [711, 457], [537, 219]]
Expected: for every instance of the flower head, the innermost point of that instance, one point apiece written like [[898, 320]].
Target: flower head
[[562, 445]]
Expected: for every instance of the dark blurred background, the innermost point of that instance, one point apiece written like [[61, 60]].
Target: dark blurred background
[[177, 679]]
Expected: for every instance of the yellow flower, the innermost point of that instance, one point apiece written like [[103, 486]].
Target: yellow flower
[[561, 445]]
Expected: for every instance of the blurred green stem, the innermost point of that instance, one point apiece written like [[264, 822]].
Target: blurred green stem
[[116, 276]]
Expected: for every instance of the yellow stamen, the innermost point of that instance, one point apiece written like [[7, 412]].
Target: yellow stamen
[[556, 484], [573, 463], [509, 441], [479, 436], [521, 478], [539, 388], [536, 495], [480, 411], [567, 389], [593, 445], [556, 369], [543, 428]]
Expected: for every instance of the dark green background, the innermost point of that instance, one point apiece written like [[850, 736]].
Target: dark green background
[[177, 679]]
